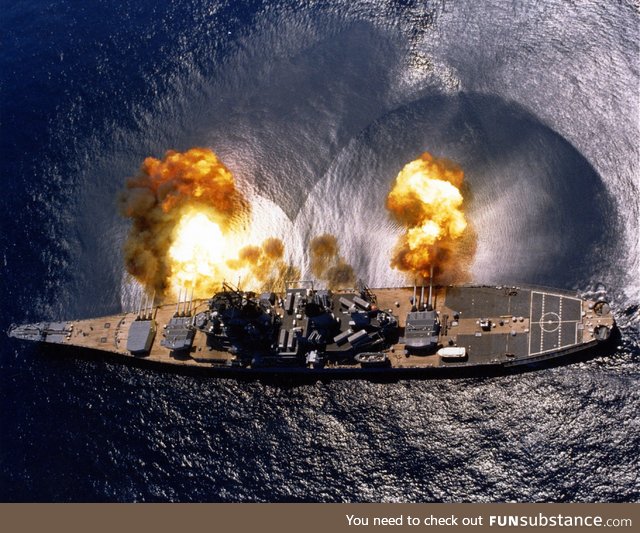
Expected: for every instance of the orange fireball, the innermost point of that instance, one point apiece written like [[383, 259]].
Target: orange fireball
[[427, 201]]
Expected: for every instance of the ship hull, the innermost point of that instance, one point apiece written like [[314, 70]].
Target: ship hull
[[302, 375]]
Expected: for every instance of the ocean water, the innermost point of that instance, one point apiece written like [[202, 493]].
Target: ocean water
[[315, 107]]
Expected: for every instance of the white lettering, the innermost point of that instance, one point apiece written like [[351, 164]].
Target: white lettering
[[472, 520], [388, 521], [357, 521], [441, 520]]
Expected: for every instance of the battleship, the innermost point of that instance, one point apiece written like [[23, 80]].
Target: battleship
[[427, 329]]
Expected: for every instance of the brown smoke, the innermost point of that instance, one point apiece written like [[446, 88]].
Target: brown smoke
[[427, 201], [327, 264], [266, 264]]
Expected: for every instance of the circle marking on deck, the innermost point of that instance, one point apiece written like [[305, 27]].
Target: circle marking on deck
[[550, 322]]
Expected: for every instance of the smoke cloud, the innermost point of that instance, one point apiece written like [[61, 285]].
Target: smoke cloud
[[426, 200], [164, 202], [266, 264], [327, 264], [187, 214]]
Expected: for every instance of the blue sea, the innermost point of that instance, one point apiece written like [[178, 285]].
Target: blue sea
[[315, 107]]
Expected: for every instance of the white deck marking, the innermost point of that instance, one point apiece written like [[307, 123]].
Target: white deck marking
[[541, 326], [559, 323], [545, 320], [530, 318], [550, 320]]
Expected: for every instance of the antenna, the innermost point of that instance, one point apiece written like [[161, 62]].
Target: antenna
[[178, 304], [140, 305], [413, 301], [191, 302], [422, 295], [153, 301], [430, 285]]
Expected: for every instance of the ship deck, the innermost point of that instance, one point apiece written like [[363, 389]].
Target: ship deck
[[524, 325]]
